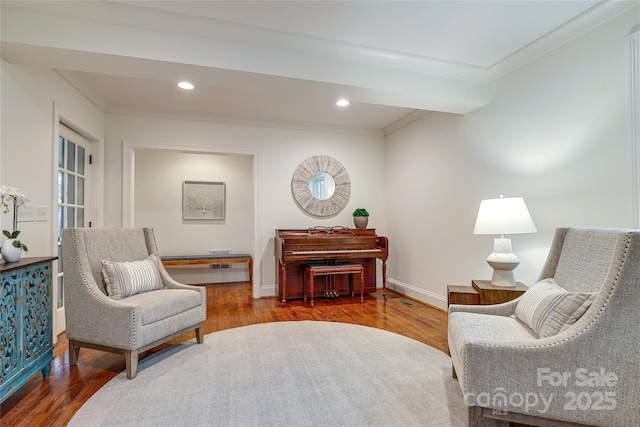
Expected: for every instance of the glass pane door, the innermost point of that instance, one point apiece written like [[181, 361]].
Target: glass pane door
[[73, 159]]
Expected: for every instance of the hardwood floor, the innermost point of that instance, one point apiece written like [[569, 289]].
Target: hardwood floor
[[53, 402]]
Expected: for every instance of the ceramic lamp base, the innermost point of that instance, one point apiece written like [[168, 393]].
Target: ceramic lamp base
[[503, 261]]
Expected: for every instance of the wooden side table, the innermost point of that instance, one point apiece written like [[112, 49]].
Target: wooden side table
[[482, 292], [466, 295]]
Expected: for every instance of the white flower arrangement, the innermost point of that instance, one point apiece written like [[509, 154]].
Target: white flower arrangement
[[13, 195]]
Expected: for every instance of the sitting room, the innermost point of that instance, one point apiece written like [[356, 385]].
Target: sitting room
[[278, 213]]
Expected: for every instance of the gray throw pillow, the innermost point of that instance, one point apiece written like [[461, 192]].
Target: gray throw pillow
[[123, 279], [548, 309]]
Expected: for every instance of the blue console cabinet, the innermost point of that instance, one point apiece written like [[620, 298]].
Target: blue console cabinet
[[26, 322]]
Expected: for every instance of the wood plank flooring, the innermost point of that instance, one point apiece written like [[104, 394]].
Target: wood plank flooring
[[53, 402]]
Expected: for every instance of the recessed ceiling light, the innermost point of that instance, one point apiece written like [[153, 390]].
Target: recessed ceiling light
[[185, 85], [342, 103]]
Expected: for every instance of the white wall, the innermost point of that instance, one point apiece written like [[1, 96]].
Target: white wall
[[556, 132], [278, 152], [32, 101]]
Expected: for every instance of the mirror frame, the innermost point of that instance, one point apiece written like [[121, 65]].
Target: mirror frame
[[300, 186]]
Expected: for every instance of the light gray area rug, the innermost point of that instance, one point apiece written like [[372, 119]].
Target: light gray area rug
[[305, 373]]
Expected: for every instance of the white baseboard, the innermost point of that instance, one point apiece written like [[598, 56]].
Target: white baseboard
[[268, 291], [417, 293]]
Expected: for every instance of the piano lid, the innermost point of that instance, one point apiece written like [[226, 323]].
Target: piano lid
[[320, 231]]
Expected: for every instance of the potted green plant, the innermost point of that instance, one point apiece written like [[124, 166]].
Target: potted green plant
[[361, 218]]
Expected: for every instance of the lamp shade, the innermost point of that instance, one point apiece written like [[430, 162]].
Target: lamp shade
[[504, 216]]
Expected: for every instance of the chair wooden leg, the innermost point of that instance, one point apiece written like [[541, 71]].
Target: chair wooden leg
[[131, 361], [200, 333], [475, 416], [74, 353]]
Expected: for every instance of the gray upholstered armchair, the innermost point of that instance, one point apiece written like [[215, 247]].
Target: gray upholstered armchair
[[118, 296], [588, 371]]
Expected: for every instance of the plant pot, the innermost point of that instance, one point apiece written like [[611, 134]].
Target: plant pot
[[9, 252], [361, 222]]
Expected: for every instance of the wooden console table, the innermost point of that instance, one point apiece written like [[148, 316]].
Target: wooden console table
[[211, 259], [482, 292], [26, 321]]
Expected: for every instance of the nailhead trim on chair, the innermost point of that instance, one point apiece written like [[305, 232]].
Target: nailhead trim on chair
[[577, 334], [85, 281]]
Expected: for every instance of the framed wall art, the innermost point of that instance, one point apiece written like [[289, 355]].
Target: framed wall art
[[203, 200]]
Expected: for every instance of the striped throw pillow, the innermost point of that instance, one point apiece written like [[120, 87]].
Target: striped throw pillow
[[549, 309], [124, 279]]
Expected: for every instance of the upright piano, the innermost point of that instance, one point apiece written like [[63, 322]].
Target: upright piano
[[327, 245]]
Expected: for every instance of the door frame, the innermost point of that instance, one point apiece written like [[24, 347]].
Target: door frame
[[129, 148], [95, 209], [634, 68]]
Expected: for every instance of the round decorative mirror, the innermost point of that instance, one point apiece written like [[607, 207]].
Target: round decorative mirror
[[321, 186]]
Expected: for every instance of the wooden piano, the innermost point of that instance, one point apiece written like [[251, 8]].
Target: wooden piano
[[327, 245]]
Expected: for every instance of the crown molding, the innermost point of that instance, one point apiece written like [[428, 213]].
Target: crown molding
[[405, 121], [583, 23]]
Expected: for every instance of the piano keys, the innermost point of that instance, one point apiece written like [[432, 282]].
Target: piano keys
[[332, 245]]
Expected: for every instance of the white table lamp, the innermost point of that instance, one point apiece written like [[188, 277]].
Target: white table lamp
[[503, 216]]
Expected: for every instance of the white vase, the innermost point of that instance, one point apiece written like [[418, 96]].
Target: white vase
[[9, 252]]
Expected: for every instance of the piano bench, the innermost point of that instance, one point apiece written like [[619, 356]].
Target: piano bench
[[310, 271]]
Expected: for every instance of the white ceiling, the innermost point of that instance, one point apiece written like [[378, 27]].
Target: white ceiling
[[287, 62], [478, 33]]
